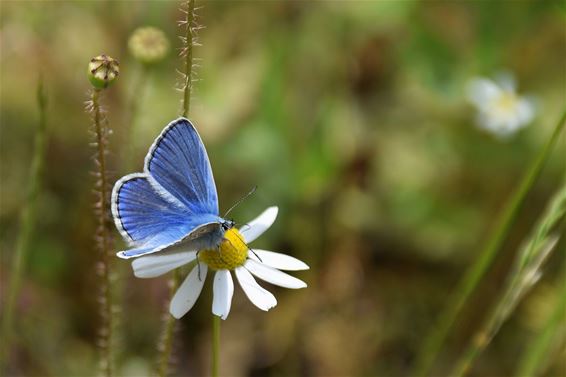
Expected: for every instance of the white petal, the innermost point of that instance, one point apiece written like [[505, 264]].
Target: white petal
[[260, 224], [260, 297], [482, 92], [491, 123], [159, 264], [525, 110], [506, 81], [513, 124], [273, 276], [223, 289], [188, 292], [277, 260]]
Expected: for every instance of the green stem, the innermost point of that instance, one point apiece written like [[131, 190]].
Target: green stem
[[537, 353], [482, 338], [103, 237], [528, 261], [434, 342], [215, 344], [27, 225]]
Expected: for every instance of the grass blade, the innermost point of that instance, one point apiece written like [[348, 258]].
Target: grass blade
[[27, 225], [435, 340]]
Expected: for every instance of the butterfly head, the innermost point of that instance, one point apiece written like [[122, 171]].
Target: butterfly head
[[227, 224]]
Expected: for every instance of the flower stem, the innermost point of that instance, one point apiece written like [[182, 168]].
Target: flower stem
[[537, 353], [215, 344], [103, 235], [167, 336], [435, 340], [27, 225]]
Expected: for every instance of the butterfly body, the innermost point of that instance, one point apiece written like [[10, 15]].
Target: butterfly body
[[174, 202]]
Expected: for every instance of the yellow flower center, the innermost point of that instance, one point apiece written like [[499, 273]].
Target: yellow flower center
[[506, 102], [231, 253]]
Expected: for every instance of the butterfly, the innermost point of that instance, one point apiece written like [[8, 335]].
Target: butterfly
[[174, 201]]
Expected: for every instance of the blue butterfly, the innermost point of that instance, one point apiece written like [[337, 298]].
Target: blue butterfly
[[174, 200]]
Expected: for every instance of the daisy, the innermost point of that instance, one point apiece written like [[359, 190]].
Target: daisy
[[500, 109], [233, 256]]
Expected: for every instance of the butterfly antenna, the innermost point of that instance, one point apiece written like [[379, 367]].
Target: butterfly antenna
[[248, 246], [240, 201]]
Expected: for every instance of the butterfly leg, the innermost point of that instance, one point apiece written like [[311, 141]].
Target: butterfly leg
[[257, 256], [198, 266], [220, 250]]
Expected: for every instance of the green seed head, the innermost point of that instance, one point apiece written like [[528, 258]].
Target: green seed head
[[149, 45], [103, 71]]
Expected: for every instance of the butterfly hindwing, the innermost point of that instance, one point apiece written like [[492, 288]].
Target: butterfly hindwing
[[179, 169], [140, 213], [149, 222], [199, 238]]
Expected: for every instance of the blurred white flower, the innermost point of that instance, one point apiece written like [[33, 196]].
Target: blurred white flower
[[234, 255], [500, 109]]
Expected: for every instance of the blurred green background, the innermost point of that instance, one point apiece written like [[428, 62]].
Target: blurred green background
[[351, 116]]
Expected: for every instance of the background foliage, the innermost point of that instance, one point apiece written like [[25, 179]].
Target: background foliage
[[350, 116]]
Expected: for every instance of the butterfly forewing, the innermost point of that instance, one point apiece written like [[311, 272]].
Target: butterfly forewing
[[178, 163], [140, 213]]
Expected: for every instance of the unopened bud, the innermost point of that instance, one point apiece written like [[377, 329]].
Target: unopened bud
[[103, 71]]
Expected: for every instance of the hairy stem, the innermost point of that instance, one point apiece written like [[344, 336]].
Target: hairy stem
[[167, 336], [189, 35], [103, 235], [27, 225], [434, 342]]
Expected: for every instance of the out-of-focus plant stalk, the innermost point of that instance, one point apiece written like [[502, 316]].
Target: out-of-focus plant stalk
[[149, 46], [507, 219], [27, 225], [189, 39], [167, 336], [537, 353], [524, 276], [215, 344], [136, 97]]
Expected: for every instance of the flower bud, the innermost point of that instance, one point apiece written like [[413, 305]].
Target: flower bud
[[148, 44], [103, 71]]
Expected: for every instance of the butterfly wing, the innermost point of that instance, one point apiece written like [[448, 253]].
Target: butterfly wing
[[174, 201], [179, 169]]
